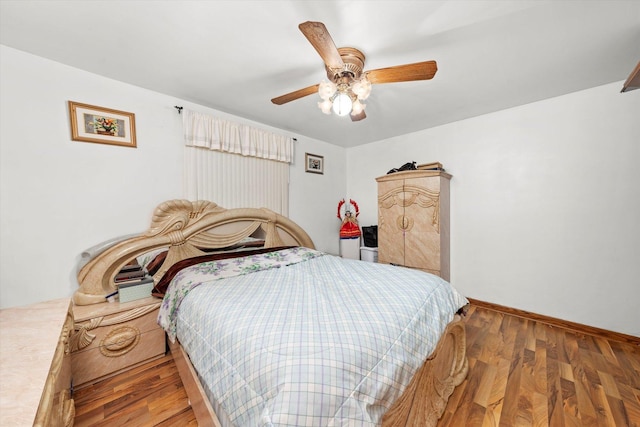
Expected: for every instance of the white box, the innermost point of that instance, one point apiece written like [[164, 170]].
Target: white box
[[368, 254], [349, 248], [134, 292]]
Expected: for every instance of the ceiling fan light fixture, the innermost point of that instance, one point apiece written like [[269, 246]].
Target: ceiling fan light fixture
[[343, 96], [326, 89], [325, 106], [342, 104], [357, 107], [362, 88]]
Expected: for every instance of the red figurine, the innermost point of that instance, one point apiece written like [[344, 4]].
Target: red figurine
[[349, 228]]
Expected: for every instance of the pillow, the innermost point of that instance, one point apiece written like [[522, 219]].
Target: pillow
[[147, 257], [251, 242], [161, 287], [154, 265]]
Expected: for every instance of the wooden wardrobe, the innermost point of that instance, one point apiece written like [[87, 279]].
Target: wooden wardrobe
[[413, 220]]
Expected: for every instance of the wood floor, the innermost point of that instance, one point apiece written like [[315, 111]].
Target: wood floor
[[526, 373], [150, 395], [522, 373]]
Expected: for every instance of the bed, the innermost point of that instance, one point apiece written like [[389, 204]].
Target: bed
[[268, 331]]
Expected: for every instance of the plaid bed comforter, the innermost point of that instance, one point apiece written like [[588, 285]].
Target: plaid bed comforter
[[317, 340]]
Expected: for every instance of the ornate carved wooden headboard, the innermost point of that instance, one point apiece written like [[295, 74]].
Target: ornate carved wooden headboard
[[185, 228]]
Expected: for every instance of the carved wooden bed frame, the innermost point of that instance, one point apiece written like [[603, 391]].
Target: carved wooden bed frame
[[187, 227]]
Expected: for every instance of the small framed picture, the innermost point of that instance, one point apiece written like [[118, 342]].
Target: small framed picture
[[313, 163], [102, 125]]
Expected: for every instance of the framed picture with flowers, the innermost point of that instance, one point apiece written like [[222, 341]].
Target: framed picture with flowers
[[102, 125]]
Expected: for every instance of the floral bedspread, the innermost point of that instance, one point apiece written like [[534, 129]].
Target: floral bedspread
[[205, 272]]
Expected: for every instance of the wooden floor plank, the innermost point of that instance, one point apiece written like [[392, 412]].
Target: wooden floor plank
[[585, 403], [631, 402], [510, 407], [554, 394], [527, 384], [603, 410], [483, 393], [539, 413], [540, 368], [494, 408], [521, 372]]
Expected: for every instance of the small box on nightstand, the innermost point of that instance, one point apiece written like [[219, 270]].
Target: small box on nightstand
[[133, 291]]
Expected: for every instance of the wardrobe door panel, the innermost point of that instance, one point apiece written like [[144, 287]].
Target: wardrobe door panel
[[422, 210], [422, 241], [390, 219]]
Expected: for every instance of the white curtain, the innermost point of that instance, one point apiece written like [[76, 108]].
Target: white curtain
[[201, 130], [236, 165]]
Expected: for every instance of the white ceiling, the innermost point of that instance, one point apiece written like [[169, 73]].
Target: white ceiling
[[234, 56]]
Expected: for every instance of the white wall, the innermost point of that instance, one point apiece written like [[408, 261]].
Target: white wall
[[59, 197], [314, 197], [545, 203]]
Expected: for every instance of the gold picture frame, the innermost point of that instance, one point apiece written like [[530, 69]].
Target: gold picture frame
[[313, 163], [90, 123]]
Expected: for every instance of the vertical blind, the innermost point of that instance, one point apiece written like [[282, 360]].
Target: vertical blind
[[234, 181], [235, 165]]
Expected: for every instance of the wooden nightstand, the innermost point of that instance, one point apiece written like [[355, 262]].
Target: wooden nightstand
[[112, 337]]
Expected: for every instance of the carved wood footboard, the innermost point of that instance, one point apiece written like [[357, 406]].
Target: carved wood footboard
[[420, 405], [425, 398]]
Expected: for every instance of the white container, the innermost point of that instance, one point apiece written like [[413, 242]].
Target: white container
[[349, 248], [135, 290], [368, 254]]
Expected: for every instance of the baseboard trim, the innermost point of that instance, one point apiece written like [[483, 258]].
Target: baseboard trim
[[552, 321]]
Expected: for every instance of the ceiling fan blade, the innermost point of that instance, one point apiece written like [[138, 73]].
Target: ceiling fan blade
[[300, 93], [358, 117], [403, 73], [320, 39]]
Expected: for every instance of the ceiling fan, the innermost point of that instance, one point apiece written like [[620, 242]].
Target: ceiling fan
[[348, 85]]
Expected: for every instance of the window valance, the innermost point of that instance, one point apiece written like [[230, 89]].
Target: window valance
[[201, 130]]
